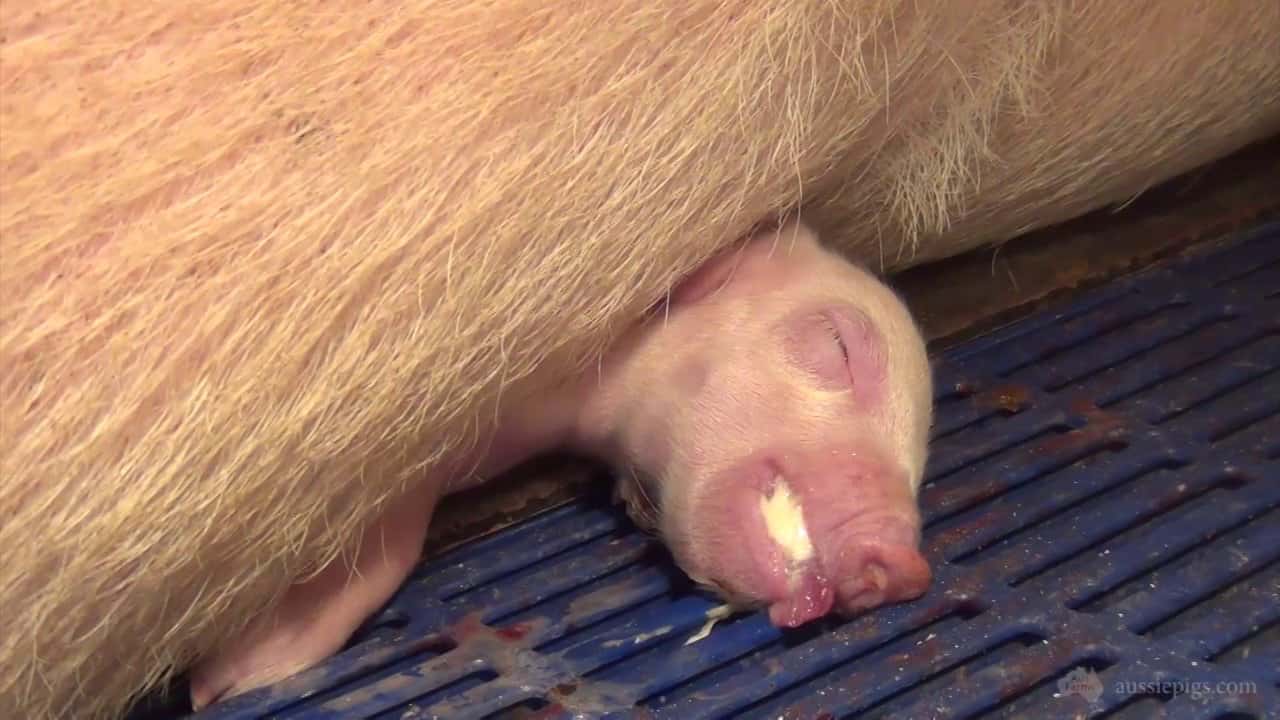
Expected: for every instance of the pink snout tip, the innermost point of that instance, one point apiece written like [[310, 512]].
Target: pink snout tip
[[875, 573], [872, 573]]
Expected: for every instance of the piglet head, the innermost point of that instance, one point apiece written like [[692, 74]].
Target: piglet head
[[771, 421]]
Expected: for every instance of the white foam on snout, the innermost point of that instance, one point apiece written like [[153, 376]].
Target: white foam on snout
[[784, 521]]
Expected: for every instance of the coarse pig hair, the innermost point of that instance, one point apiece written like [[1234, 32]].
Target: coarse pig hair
[[263, 264]]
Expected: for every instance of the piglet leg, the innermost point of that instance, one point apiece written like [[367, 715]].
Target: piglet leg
[[317, 617]]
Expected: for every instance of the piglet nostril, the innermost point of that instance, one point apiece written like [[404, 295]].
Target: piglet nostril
[[864, 588], [875, 574]]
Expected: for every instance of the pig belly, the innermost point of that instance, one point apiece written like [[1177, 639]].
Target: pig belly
[[266, 263], [1099, 103]]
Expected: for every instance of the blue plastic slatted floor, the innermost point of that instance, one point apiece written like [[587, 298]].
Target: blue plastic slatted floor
[[1102, 513]]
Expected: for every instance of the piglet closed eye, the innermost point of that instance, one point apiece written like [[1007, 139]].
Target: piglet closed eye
[[840, 347]]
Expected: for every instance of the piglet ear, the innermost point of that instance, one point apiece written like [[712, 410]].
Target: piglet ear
[[711, 276], [740, 259]]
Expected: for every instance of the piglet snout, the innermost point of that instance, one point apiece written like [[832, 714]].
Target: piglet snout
[[868, 572], [810, 599], [878, 566]]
